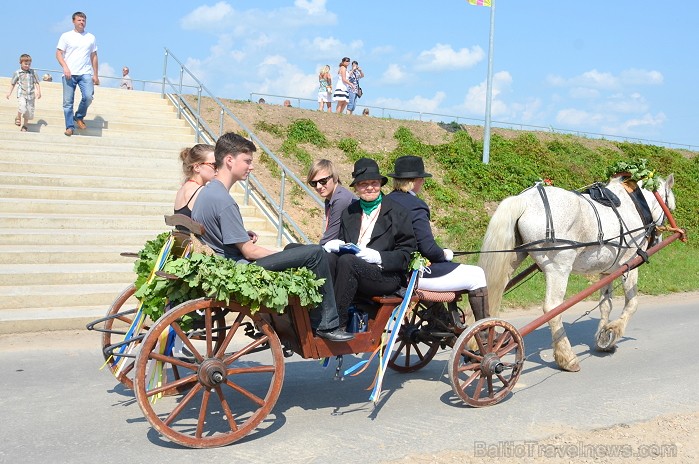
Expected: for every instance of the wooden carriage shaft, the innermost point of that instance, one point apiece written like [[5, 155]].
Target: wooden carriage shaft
[[637, 261]]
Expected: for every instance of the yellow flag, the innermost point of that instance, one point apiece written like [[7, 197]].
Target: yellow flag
[[479, 2]]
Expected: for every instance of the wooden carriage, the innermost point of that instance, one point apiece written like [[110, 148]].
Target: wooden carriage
[[232, 373]]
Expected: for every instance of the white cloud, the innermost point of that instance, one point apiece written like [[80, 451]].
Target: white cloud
[[584, 93], [641, 77], [207, 17], [443, 57], [595, 79], [416, 104], [312, 7], [323, 47], [637, 126], [474, 101], [279, 77], [571, 117], [394, 74], [621, 103]]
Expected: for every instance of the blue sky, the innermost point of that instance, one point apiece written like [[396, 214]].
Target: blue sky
[[617, 67]]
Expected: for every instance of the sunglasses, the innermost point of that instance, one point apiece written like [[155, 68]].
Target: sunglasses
[[322, 181], [211, 165]]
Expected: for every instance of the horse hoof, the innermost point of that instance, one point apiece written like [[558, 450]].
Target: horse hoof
[[571, 367], [606, 340]]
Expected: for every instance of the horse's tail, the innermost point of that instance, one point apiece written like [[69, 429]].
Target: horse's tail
[[501, 235]]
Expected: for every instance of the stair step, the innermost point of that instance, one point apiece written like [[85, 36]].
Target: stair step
[[38, 192], [63, 254], [46, 147], [35, 129], [87, 207], [131, 171], [94, 180], [65, 273], [128, 240], [98, 295], [39, 319]]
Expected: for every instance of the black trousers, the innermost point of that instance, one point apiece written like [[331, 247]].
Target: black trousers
[[315, 258], [353, 276]]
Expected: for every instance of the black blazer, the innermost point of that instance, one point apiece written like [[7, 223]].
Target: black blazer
[[420, 214], [392, 236]]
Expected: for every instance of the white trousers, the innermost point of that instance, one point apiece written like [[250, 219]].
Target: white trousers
[[464, 277]]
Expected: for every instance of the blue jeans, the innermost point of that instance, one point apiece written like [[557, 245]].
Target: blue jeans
[[87, 89], [352, 100]]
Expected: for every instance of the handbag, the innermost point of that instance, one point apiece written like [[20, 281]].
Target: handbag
[[359, 91], [358, 320]]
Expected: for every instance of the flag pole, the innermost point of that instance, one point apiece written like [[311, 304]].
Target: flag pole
[[489, 87]]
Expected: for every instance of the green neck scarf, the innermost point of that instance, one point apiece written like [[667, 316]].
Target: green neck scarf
[[369, 206]]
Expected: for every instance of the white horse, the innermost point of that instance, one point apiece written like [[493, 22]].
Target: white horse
[[523, 220]]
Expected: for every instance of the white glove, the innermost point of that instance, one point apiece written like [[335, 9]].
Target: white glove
[[369, 255], [333, 246], [448, 254]]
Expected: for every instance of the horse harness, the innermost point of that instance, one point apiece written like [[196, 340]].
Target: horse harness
[[605, 197]]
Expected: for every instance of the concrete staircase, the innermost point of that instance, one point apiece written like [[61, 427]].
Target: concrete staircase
[[70, 205]]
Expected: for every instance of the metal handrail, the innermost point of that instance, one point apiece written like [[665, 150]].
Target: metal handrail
[[385, 112], [154, 85], [253, 188]]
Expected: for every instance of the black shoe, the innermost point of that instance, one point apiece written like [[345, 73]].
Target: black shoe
[[335, 335]]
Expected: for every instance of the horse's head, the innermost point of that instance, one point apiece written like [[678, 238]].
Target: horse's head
[[665, 192]]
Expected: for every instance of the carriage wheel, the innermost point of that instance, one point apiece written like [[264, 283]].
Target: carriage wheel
[[487, 375], [114, 328], [413, 349], [231, 381]]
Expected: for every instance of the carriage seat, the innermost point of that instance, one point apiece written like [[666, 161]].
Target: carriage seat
[[186, 231], [420, 295]]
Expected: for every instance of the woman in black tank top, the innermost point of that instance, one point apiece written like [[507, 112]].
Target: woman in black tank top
[[199, 167]]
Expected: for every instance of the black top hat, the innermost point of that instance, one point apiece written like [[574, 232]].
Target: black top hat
[[409, 167], [367, 169]]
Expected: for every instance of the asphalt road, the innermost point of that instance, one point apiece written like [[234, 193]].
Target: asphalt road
[[57, 406]]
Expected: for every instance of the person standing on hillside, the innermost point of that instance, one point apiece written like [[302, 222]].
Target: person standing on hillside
[[27, 80], [126, 83], [341, 96], [325, 89], [76, 52], [354, 75]]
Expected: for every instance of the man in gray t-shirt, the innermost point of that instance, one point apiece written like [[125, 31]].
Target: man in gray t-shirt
[[227, 236]]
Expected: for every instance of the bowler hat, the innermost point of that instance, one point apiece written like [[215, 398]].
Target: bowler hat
[[366, 169], [409, 167]]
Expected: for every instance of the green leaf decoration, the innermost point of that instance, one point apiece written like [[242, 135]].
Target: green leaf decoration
[[219, 278], [417, 261], [638, 171]]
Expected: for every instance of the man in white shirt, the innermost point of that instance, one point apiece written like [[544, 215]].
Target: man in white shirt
[[76, 52], [126, 83]]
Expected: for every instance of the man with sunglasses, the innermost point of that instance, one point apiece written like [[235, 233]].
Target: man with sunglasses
[[225, 232], [326, 181]]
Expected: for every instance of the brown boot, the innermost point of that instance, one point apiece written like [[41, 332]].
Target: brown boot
[[478, 299]]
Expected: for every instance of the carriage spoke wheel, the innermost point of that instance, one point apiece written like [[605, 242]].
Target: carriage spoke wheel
[[485, 376], [231, 380], [115, 328], [413, 350]]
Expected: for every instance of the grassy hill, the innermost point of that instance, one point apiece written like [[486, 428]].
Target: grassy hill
[[464, 192]]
